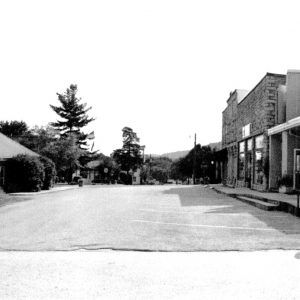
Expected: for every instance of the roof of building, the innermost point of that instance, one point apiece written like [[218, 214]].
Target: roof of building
[[293, 71], [93, 164], [10, 148], [239, 93], [267, 74]]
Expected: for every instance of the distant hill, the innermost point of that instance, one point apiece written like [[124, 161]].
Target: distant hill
[[216, 146], [179, 154], [172, 155], [175, 155]]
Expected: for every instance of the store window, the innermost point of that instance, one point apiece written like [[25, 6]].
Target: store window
[[241, 173], [249, 145], [258, 170], [249, 161]]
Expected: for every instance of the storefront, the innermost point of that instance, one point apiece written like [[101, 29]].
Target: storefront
[[245, 126], [284, 145], [251, 162]]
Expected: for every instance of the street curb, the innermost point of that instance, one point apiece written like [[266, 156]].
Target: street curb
[[43, 192], [282, 206]]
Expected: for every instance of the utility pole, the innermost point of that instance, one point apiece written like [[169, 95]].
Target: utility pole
[[194, 161]]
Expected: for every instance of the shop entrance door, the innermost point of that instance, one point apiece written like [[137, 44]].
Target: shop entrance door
[[297, 169]]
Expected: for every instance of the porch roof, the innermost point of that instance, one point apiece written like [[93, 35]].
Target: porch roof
[[94, 164], [285, 126], [10, 148]]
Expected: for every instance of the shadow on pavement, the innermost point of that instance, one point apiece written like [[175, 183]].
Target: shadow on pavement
[[219, 204], [191, 196]]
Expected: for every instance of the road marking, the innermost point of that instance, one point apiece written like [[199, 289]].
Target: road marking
[[210, 213], [212, 226]]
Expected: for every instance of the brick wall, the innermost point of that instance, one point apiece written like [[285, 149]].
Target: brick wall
[[259, 108], [229, 121]]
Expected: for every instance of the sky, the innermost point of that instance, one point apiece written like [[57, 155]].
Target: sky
[[163, 68]]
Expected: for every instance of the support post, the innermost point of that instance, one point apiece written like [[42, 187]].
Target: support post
[[297, 209], [194, 161]]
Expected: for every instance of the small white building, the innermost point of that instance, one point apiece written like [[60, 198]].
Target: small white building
[[136, 177]]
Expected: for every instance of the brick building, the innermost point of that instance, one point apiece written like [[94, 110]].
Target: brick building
[[245, 136]]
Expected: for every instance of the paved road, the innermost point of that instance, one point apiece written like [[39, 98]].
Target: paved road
[[138, 275], [171, 218]]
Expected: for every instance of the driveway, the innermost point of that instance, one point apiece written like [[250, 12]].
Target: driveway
[[156, 218]]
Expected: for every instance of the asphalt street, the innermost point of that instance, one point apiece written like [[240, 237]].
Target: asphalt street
[[158, 218]]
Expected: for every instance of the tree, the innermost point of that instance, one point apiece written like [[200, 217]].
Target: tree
[[183, 167], [49, 172], [13, 129], [129, 157], [157, 168], [65, 153], [38, 138], [73, 115], [175, 171]]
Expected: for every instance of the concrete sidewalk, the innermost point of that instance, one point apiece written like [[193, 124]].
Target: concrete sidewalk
[[288, 203], [56, 188], [11, 198]]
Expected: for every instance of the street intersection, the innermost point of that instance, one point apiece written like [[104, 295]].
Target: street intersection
[[150, 218]]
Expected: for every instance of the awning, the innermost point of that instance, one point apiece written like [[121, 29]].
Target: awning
[[285, 126]]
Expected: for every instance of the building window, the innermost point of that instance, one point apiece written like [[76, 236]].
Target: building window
[[258, 169], [246, 130], [259, 141], [249, 161], [249, 145], [241, 168]]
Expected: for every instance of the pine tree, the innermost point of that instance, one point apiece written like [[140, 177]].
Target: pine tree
[[73, 115], [129, 157]]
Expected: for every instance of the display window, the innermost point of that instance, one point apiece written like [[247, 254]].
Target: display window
[[241, 162], [258, 167]]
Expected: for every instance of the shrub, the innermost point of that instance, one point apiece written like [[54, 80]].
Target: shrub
[[49, 171], [125, 178], [23, 174]]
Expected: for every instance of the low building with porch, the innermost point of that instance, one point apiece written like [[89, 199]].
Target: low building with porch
[[10, 148]]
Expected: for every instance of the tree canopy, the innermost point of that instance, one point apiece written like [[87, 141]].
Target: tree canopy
[[183, 167], [66, 154], [73, 114], [13, 129], [129, 157], [157, 168]]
